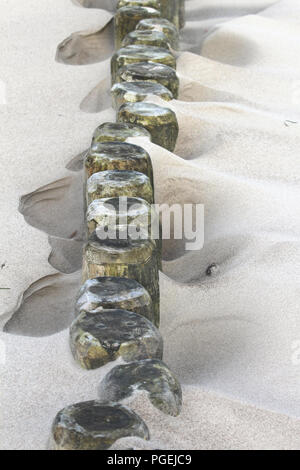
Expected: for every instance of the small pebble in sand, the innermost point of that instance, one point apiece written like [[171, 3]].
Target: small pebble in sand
[[212, 269]]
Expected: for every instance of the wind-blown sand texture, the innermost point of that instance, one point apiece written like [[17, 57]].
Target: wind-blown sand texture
[[231, 338]]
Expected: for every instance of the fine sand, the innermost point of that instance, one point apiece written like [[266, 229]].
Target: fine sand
[[232, 338]]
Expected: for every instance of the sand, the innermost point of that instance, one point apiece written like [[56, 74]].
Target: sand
[[232, 338]]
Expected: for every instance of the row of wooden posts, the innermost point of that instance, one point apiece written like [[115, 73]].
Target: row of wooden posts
[[117, 312]]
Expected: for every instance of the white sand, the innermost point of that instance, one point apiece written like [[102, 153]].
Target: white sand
[[231, 338]]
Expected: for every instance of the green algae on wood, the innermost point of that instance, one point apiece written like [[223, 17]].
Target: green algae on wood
[[136, 53], [112, 215], [133, 212], [181, 14], [150, 375], [127, 18], [118, 156], [162, 25], [133, 92], [99, 338], [123, 256], [116, 131], [103, 293], [150, 72], [92, 425], [161, 122], [139, 3], [118, 183], [170, 9], [146, 38]]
